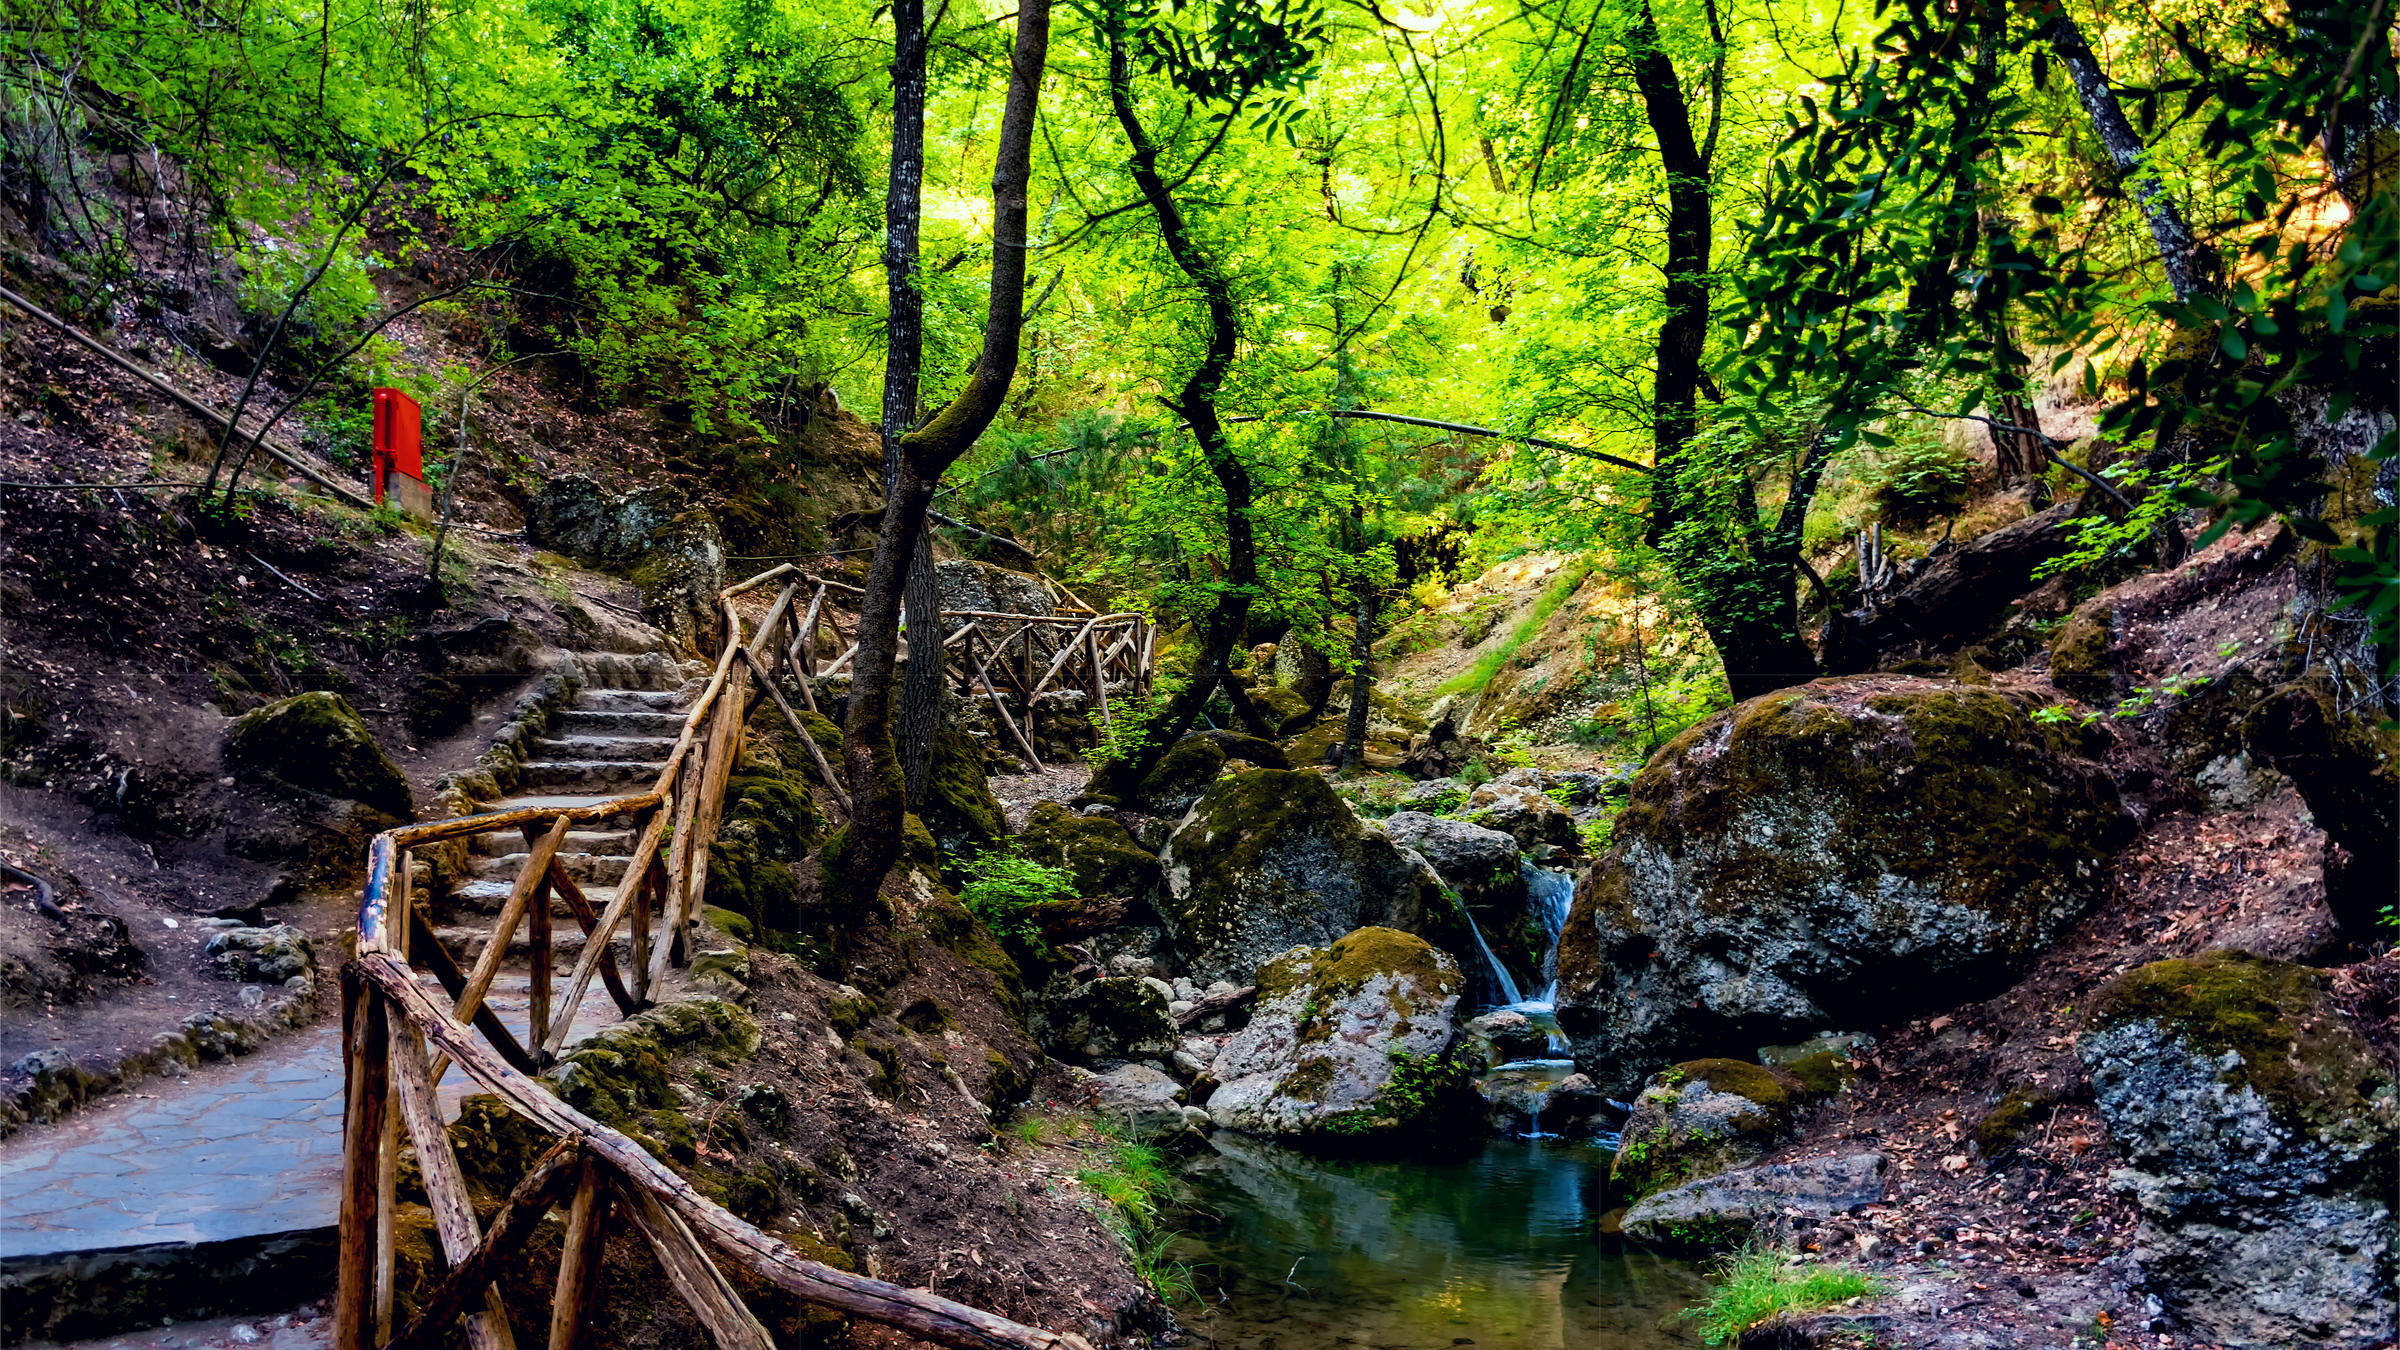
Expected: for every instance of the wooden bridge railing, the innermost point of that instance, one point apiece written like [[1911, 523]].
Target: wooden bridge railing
[[399, 1039]]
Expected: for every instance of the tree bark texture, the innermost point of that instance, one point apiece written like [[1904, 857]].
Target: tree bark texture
[[1362, 679], [2176, 249], [857, 858]]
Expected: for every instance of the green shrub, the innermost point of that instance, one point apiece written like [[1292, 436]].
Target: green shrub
[[1757, 1284], [1003, 889], [1490, 663]]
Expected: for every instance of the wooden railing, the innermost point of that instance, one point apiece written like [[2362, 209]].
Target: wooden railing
[[399, 1039]]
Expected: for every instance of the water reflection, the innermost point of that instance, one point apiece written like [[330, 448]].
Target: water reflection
[[1500, 1249]]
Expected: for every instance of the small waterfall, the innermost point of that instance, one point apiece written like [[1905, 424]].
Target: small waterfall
[[1501, 980], [1548, 894]]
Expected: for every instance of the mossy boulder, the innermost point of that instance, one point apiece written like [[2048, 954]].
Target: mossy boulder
[[1483, 867], [1350, 1043], [1706, 1116], [1122, 1017], [2020, 1110], [2348, 771], [959, 809], [619, 1075], [1099, 850], [2262, 1134], [680, 574], [1180, 776], [1285, 709], [2080, 662], [317, 742], [1837, 854], [770, 825], [1525, 813], [1256, 753], [1272, 859]]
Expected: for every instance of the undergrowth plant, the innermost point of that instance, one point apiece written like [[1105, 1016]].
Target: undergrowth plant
[[1757, 1284], [1003, 887], [1486, 666]]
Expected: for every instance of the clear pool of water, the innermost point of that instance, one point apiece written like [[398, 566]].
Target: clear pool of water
[[1500, 1250]]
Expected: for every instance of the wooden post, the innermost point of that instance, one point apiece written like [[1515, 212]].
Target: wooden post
[[1091, 649], [815, 752], [535, 878], [645, 852], [650, 893], [445, 1188], [537, 942], [366, 1095], [694, 1276], [578, 1292]]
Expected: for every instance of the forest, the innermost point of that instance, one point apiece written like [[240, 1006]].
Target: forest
[[1264, 673]]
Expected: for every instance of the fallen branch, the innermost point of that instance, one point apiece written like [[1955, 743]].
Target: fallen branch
[[1215, 1004], [544, 1186]]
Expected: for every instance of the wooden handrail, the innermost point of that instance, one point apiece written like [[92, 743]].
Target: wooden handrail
[[392, 1025]]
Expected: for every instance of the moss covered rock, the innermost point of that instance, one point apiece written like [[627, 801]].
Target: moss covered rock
[[2348, 770], [679, 574], [2079, 655], [1706, 1116], [1285, 709], [770, 825], [960, 810], [1124, 1017], [1272, 859], [1099, 850], [1180, 776], [2263, 1134], [317, 742], [1350, 1043], [1840, 853]]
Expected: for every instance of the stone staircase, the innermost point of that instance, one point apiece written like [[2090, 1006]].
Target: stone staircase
[[217, 1194]]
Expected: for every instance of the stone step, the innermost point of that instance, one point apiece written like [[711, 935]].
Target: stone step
[[603, 749], [607, 777], [592, 722], [634, 700], [600, 843], [466, 947], [486, 895], [585, 868]]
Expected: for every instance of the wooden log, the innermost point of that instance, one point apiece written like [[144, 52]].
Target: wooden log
[[926, 1316], [428, 948], [387, 1202], [1216, 1003], [374, 904], [712, 803], [520, 896], [587, 919], [646, 904], [537, 956], [779, 569], [693, 1276], [572, 1306], [519, 1218], [840, 661], [815, 751], [804, 638], [595, 946], [445, 1187], [992, 654], [764, 641], [687, 807], [365, 1093]]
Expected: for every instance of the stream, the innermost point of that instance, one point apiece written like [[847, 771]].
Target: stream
[[1497, 1249]]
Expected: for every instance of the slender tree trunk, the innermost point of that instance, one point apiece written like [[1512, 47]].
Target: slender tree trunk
[[921, 688], [1196, 404], [857, 858], [1362, 679], [2168, 229], [1682, 336]]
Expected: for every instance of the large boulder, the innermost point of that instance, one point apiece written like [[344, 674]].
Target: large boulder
[[1524, 812], [1349, 1043], [1180, 776], [1485, 869], [680, 573], [1118, 1017], [1272, 859], [1840, 853], [1149, 1104], [574, 515], [980, 586], [317, 742], [2348, 770], [1728, 1208], [1703, 1117], [959, 809], [1100, 852], [2263, 1137]]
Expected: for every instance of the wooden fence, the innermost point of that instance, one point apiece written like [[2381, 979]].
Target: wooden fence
[[399, 1039]]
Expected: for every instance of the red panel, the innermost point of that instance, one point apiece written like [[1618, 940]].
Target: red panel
[[399, 435]]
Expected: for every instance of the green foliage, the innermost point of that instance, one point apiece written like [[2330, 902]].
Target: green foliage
[[1759, 1284], [1003, 889], [2157, 496]]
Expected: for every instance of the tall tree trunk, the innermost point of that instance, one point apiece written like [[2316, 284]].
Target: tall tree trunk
[[1362, 680], [1755, 621], [857, 858], [1197, 406], [921, 688], [2168, 229]]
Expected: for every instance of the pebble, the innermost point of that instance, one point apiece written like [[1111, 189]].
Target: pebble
[[245, 1333]]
